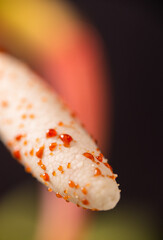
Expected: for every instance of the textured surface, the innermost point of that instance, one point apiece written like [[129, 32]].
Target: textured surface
[[28, 109]]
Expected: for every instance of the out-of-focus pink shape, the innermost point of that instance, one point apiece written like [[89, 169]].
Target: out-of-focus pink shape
[[78, 74]]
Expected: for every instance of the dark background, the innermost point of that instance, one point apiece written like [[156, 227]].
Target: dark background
[[133, 38]]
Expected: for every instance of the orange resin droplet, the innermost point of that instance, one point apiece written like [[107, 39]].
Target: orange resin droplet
[[28, 169], [66, 139], [77, 186], [84, 191], [10, 144], [89, 155], [24, 116], [45, 177], [85, 202], [40, 152], [50, 190], [58, 195], [51, 133], [66, 198], [17, 154], [60, 168], [71, 184], [52, 146], [112, 177], [108, 166], [32, 116], [100, 157], [60, 124], [25, 142], [94, 209], [31, 152], [26, 154], [4, 103], [65, 191], [97, 172], [68, 165], [54, 173], [41, 165], [18, 137]]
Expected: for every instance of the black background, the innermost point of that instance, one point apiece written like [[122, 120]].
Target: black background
[[133, 40], [133, 37]]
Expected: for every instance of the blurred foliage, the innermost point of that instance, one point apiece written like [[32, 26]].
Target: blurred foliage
[[123, 223], [18, 213], [18, 218]]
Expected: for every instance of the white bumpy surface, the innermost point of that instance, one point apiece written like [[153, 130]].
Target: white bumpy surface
[[28, 108]]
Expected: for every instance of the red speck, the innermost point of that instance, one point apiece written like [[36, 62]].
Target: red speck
[[77, 186], [71, 184], [68, 165], [10, 144], [58, 195], [41, 165], [94, 209], [100, 157], [84, 191], [25, 142], [17, 154], [85, 202], [18, 137], [52, 146], [51, 133], [66, 198], [66, 139], [97, 172], [40, 152], [89, 155], [112, 177], [45, 177], [108, 166], [31, 152], [28, 169], [60, 168]]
